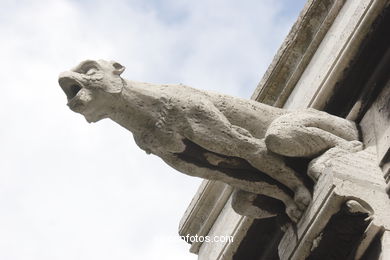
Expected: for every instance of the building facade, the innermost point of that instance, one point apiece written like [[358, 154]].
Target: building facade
[[336, 58]]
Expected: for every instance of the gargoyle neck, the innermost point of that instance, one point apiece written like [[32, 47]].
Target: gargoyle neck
[[136, 107]]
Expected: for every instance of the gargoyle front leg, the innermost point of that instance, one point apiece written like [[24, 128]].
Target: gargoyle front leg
[[265, 187], [275, 166], [211, 130]]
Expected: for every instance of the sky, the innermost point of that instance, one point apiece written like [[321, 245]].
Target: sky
[[73, 190]]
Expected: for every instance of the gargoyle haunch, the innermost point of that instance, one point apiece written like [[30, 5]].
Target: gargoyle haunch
[[240, 142]]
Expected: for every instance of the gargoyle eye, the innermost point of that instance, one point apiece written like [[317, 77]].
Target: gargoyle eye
[[91, 71], [117, 66]]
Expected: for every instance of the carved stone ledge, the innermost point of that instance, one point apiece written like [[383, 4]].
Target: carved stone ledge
[[203, 210], [352, 177]]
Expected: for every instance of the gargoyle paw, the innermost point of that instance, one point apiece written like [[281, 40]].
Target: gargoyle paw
[[318, 165], [302, 197], [294, 213], [352, 146]]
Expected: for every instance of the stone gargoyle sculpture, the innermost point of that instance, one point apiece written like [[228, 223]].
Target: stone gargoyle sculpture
[[213, 136]]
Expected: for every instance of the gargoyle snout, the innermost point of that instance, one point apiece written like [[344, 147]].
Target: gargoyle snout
[[69, 84]]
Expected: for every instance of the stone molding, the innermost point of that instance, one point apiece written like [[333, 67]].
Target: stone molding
[[203, 210], [354, 176], [335, 53], [296, 51], [228, 223]]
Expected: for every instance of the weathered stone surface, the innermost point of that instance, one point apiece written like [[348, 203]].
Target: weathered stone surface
[[353, 181], [375, 129], [205, 209], [296, 51], [212, 136]]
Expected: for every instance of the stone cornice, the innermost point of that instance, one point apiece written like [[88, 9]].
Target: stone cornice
[[203, 210], [296, 51]]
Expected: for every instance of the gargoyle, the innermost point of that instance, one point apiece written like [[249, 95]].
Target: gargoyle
[[218, 137]]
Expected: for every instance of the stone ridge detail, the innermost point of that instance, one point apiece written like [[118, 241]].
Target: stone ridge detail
[[351, 183], [240, 142]]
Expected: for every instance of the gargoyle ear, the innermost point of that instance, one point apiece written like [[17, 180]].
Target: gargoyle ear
[[118, 68]]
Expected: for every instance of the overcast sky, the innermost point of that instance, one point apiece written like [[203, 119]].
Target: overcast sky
[[73, 190]]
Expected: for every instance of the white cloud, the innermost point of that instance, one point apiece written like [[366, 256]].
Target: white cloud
[[71, 190]]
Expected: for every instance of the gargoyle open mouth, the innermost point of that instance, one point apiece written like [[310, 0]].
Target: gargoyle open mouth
[[70, 86]]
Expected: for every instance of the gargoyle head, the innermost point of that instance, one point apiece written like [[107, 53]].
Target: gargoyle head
[[91, 88]]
